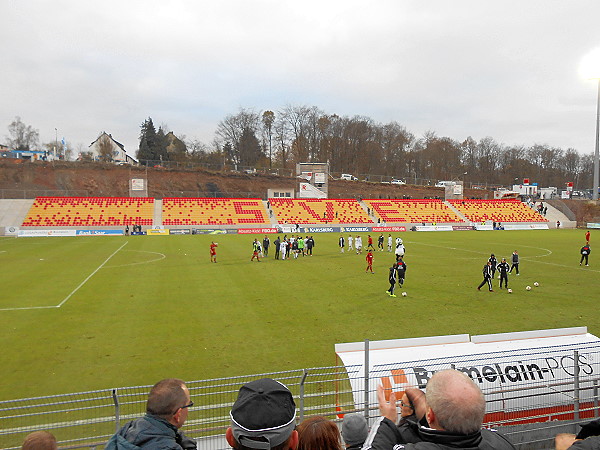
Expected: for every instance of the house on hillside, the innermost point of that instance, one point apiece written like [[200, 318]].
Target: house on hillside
[[106, 148]]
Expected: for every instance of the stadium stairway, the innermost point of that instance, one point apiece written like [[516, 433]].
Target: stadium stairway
[[13, 212], [272, 218], [456, 211], [158, 204], [553, 214]]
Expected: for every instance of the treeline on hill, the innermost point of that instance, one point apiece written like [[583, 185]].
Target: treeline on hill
[[360, 146]]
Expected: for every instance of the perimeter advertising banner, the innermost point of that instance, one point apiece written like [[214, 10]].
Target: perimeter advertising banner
[[256, 230], [157, 232], [525, 371], [392, 229], [100, 233], [50, 233]]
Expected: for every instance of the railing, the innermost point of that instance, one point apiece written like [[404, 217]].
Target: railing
[[529, 414]]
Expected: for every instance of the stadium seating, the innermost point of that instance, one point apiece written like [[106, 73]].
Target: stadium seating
[[497, 211], [413, 211], [89, 212], [318, 211], [214, 211]]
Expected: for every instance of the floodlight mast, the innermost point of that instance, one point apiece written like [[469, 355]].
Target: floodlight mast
[[597, 151]]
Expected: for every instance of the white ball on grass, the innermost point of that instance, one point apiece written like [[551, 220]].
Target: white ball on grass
[[528, 288], [404, 294]]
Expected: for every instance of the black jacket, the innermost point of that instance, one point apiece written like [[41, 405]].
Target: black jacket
[[385, 435]]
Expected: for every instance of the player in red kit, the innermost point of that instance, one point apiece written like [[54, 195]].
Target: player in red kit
[[369, 259], [213, 252]]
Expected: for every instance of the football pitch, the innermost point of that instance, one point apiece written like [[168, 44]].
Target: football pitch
[[90, 313]]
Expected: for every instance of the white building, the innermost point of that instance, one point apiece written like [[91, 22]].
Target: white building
[[105, 144]]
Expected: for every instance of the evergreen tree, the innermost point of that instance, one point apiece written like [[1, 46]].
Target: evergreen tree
[[160, 146], [147, 148], [250, 150]]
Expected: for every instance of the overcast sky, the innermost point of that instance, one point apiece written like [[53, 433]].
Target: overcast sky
[[506, 69]]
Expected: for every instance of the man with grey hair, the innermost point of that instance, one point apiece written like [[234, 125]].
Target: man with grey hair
[[450, 416], [166, 411]]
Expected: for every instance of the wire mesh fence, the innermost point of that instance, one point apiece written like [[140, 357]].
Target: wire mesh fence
[[530, 397]]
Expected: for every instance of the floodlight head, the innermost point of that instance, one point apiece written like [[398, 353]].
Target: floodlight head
[[589, 67]]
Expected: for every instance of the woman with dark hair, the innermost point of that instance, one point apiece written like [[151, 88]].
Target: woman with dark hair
[[318, 433]]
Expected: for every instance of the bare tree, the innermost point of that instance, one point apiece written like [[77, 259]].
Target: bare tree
[[268, 119], [232, 128], [21, 136], [105, 148]]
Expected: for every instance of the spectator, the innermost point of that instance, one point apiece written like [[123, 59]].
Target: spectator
[[318, 433], [166, 412], [263, 416], [40, 440], [354, 431], [454, 408]]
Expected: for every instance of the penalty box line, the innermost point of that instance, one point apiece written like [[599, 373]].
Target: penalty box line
[[73, 291], [90, 276]]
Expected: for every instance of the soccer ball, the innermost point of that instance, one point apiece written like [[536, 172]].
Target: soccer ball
[[509, 291], [404, 294], [528, 288], [536, 284]]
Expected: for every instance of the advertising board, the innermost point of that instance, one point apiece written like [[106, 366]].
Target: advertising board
[[157, 232], [517, 371], [386, 229], [433, 228], [49, 233], [100, 233], [256, 230]]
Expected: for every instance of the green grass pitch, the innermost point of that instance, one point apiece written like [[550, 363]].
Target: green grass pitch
[[137, 309]]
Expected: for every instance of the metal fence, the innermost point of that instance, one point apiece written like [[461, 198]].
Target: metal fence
[[529, 413]]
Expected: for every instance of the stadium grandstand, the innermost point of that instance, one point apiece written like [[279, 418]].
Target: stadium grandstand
[[319, 211], [214, 211], [496, 210], [89, 211], [413, 211]]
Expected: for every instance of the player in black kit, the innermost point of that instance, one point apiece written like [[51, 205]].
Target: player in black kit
[[503, 268]]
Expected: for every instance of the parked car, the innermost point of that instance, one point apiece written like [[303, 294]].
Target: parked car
[[445, 183], [348, 177], [395, 181]]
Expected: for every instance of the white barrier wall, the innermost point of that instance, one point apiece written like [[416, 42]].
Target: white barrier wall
[[538, 362]]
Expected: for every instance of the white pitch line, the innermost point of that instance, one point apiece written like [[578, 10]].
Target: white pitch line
[[28, 307], [90, 276]]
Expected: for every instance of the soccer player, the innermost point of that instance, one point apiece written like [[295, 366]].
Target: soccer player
[[255, 250], [370, 242], [390, 243], [358, 245], [392, 279], [515, 262], [380, 242], [349, 242], [283, 248], [341, 243], [503, 269], [494, 262], [213, 252], [487, 276], [369, 259], [401, 269], [266, 243], [587, 237]]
